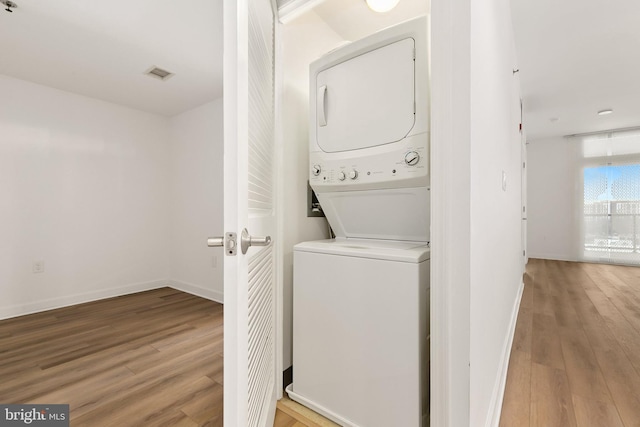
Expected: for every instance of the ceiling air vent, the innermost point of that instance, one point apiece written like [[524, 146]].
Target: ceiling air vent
[[158, 73]]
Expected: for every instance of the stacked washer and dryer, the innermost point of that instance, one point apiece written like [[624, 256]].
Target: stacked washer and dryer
[[361, 300]]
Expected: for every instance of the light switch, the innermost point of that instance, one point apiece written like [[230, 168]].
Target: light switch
[[504, 181]]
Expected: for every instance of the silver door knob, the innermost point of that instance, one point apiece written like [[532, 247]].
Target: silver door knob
[[247, 240], [213, 242]]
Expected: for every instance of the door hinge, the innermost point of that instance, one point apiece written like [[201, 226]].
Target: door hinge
[[230, 244]]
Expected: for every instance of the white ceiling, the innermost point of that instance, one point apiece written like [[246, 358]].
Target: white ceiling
[[577, 57], [101, 49]]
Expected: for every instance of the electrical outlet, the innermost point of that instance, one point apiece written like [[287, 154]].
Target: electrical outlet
[[504, 181], [38, 266]]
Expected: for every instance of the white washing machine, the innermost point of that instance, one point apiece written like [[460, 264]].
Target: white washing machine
[[361, 301], [361, 331]]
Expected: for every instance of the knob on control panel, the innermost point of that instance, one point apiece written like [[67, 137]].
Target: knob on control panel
[[342, 176], [316, 169], [353, 174], [412, 158]]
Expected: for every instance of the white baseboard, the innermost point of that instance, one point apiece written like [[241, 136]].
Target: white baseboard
[[553, 257], [196, 290], [59, 302], [501, 381]]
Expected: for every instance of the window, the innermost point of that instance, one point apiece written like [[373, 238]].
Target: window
[[611, 210], [611, 198]]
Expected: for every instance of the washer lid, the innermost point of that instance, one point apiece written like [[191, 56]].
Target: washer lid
[[413, 252]]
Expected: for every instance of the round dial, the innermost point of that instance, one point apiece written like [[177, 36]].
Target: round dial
[[412, 158], [342, 176], [353, 174], [316, 169]]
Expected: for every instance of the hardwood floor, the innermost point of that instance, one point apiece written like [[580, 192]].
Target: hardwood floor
[[292, 414], [155, 358], [575, 359], [148, 359]]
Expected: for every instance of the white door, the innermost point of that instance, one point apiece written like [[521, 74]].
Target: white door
[[249, 284]]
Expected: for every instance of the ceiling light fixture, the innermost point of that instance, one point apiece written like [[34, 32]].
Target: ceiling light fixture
[[605, 112], [382, 6]]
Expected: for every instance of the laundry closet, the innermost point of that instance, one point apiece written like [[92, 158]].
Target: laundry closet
[[360, 301]]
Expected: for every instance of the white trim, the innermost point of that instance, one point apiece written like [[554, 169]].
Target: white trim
[[555, 257], [199, 291], [32, 307], [294, 8], [319, 408], [234, 20], [80, 298], [279, 206], [450, 212], [497, 397]]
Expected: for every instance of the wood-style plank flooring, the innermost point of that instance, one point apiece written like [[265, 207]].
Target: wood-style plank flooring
[[148, 359], [292, 414], [575, 359], [155, 358]]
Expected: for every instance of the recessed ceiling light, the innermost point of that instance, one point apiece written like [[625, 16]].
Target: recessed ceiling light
[[605, 112], [382, 6]]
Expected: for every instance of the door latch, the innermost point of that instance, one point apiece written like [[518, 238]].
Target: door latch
[[229, 241], [230, 244]]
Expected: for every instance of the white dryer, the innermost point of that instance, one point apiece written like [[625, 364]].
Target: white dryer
[[360, 301], [369, 135]]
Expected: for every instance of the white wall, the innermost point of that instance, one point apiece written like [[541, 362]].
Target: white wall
[[551, 189], [113, 200], [303, 40], [196, 210], [495, 233], [83, 187], [476, 229]]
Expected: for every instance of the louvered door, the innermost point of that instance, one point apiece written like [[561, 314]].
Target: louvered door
[[249, 323]]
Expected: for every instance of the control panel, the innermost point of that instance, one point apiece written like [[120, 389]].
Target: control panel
[[407, 164]]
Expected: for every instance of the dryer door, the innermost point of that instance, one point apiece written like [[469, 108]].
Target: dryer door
[[367, 100]]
